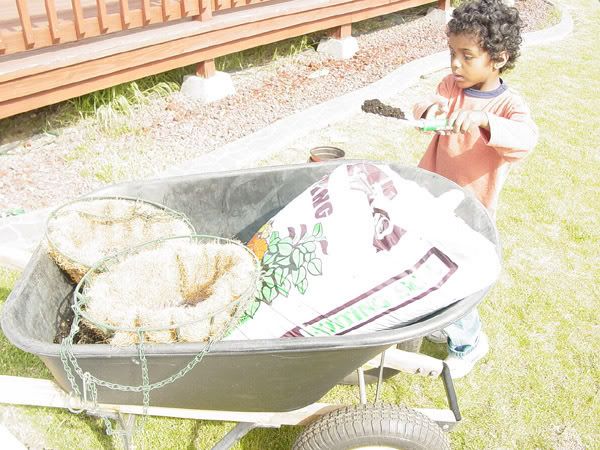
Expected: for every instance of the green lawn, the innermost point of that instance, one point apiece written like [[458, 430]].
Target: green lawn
[[538, 387]]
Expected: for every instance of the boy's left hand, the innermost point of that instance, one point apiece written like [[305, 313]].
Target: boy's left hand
[[464, 120]]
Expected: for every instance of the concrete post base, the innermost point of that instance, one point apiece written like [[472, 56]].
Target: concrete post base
[[339, 48], [208, 90]]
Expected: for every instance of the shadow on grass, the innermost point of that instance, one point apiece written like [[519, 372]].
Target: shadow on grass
[[274, 439], [439, 351], [63, 429]]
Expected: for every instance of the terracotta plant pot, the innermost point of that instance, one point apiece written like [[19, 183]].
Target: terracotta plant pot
[[325, 153]]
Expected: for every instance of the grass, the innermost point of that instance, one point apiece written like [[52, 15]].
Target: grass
[[538, 388]]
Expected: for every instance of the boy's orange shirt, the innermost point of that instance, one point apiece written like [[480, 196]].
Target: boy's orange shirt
[[481, 159]]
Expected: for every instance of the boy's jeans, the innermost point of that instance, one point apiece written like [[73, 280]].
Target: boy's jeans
[[464, 333]]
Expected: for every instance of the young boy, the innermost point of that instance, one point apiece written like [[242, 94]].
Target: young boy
[[490, 129]]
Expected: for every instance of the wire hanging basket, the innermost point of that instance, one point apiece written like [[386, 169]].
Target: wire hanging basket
[[211, 281], [86, 230], [191, 288]]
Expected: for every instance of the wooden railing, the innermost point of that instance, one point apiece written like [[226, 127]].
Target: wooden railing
[[38, 69], [76, 20]]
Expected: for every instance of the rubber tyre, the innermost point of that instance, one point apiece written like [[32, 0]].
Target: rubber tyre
[[386, 425]]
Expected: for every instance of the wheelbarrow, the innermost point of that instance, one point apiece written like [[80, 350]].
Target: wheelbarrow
[[283, 379]]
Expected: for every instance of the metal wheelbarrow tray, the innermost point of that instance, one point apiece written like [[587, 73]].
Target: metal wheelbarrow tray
[[258, 375]]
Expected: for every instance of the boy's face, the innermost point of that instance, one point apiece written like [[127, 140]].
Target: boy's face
[[471, 65]]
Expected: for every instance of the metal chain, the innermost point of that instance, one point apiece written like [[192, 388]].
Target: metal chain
[[145, 377], [129, 388], [90, 382]]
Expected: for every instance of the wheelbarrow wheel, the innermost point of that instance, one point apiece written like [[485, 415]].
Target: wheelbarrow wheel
[[382, 426]]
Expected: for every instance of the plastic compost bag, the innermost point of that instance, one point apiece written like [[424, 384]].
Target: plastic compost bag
[[362, 250]]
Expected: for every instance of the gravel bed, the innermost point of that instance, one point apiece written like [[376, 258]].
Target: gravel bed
[[50, 168]]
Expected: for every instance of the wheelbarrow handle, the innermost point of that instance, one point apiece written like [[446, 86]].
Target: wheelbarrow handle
[[409, 362]]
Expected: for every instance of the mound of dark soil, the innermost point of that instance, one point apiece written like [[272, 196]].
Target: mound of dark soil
[[376, 107]]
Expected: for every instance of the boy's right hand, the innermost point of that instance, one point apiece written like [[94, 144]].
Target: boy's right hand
[[438, 110]]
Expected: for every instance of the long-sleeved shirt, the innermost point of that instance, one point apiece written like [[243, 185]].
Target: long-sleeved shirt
[[479, 160]]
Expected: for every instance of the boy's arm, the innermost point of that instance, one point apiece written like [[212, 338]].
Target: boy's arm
[[512, 136]]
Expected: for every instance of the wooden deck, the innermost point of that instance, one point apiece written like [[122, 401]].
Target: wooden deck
[[27, 25], [54, 50]]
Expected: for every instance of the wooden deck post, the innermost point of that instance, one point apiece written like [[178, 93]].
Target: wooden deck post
[[146, 11], [185, 11], [78, 19], [102, 18], [205, 8], [26, 27], [444, 5], [343, 31], [52, 20], [124, 11], [206, 69], [165, 10]]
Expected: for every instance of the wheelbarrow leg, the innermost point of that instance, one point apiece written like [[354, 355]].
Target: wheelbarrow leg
[[127, 424], [380, 378], [362, 389], [238, 432]]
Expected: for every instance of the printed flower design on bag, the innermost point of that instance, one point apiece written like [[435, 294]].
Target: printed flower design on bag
[[287, 261], [259, 242]]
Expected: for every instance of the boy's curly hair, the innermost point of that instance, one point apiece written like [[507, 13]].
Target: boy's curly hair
[[495, 25]]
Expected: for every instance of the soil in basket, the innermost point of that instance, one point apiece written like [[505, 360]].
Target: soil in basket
[[85, 335]]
